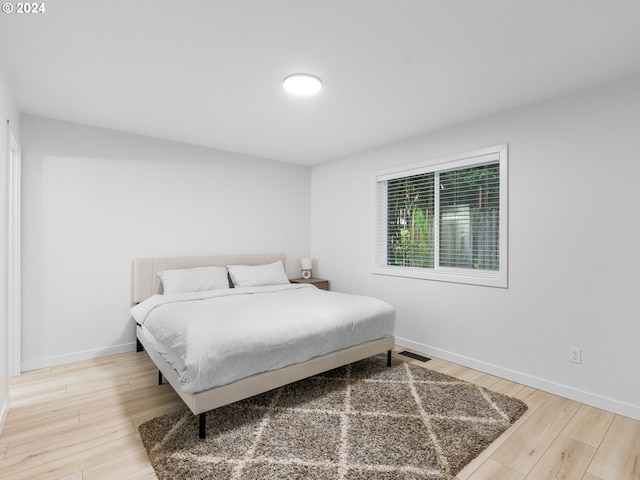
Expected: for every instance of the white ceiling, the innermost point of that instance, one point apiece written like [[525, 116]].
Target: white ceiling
[[209, 72]]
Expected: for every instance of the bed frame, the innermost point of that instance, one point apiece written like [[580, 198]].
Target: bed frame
[[145, 283]]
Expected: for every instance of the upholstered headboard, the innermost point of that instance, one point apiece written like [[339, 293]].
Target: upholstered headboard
[[145, 282]]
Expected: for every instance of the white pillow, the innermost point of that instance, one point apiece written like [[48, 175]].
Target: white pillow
[[198, 279], [258, 275]]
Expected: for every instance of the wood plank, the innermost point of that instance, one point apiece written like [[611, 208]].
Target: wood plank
[[507, 387], [61, 447], [30, 377], [618, 456], [66, 436], [133, 404], [533, 398], [589, 425], [61, 404], [14, 430], [73, 476], [492, 470], [148, 474], [528, 444], [479, 378], [565, 458], [29, 396], [134, 463], [588, 476], [82, 459], [168, 407]]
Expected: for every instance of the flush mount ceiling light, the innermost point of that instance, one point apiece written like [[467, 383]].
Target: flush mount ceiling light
[[302, 84]]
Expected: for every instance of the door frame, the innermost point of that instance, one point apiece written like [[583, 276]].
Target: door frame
[[13, 255]]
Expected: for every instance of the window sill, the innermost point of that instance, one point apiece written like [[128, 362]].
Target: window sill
[[455, 275]]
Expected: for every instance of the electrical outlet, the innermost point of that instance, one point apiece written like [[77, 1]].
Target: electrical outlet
[[575, 355]]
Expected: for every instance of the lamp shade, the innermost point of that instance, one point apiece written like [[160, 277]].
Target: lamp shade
[[305, 263]]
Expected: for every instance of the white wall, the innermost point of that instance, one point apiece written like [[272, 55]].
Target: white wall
[[573, 248], [94, 199], [9, 112]]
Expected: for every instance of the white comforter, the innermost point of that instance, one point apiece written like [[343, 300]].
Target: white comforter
[[216, 337]]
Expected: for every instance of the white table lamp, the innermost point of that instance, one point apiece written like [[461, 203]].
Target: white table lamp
[[305, 265]]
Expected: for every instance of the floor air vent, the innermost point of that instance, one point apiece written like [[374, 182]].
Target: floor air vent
[[415, 356]]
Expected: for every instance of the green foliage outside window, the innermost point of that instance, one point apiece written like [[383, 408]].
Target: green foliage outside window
[[467, 214], [410, 224]]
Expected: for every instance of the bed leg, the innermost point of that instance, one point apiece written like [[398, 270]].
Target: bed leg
[[388, 358], [159, 377], [202, 433], [139, 346]]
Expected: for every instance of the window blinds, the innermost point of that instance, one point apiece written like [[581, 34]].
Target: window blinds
[[469, 208]]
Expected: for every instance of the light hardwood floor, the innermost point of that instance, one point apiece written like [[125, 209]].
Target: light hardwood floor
[[79, 422]]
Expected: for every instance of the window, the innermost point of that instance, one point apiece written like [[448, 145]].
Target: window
[[445, 219]]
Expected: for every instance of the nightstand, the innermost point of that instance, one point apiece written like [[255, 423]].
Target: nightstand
[[318, 282]]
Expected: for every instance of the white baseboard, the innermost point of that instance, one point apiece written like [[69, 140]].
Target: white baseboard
[[4, 410], [588, 398], [77, 357]]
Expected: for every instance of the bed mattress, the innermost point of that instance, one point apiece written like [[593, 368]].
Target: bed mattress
[[217, 337]]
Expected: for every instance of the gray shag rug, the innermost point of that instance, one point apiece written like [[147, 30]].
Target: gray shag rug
[[361, 421]]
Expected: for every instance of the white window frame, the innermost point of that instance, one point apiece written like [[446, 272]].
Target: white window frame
[[497, 153]]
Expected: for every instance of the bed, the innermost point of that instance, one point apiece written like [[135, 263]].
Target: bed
[[268, 331]]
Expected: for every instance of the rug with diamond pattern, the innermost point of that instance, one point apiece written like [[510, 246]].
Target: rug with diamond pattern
[[361, 421]]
